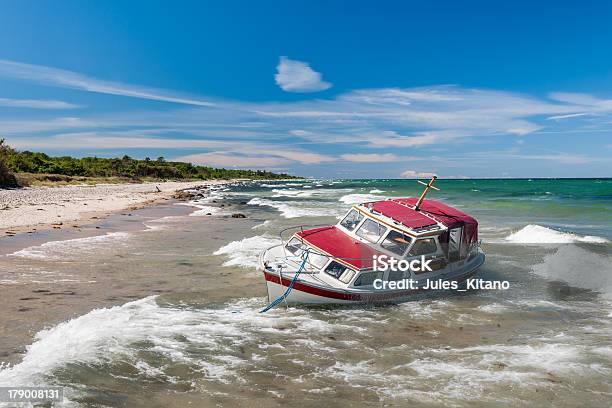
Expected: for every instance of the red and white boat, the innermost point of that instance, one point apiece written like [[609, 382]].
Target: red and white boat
[[335, 263]]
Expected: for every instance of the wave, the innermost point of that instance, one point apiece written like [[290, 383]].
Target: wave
[[245, 253], [376, 191], [104, 334], [204, 210], [357, 198], [202, 204], [292, 209], [72, 248], [207, 342], [273, 185], [226, 344], [536, 234], [578, 267], [290, 192], [262, 225], [313, 192], [454, 376]]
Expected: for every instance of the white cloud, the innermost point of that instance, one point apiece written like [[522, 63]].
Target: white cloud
[[68, 79], [417, 174], [571, 115], [297, 76], [36, 104], [369, 158], [302, 156]]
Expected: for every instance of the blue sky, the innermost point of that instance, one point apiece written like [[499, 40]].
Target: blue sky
[[325, 89]]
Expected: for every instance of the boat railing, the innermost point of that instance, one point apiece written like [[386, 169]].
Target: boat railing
[[301, 228], [312, 251]]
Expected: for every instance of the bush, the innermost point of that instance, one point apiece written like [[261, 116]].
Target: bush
[[7, 179]]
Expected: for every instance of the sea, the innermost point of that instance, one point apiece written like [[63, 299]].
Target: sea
[[161, 307]]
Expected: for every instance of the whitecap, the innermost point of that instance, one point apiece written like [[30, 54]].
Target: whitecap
[[578, 267], [537, 234], [357, 198], [208, 341], [262, 225], [290, 209], [204, 210], [245, 253]]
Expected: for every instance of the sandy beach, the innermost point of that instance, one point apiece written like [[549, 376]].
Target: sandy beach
[[27, 209]]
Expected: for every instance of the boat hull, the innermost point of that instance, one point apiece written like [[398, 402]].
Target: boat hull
[[308, 293]]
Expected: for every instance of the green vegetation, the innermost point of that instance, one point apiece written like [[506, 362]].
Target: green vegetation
[[121, 169], [7, 179]]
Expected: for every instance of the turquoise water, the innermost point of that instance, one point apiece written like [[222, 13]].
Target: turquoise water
[[579, 205], [200, 341]]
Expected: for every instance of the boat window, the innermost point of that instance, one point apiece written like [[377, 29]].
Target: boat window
[[371, 231], [347, 275], [368, 278], [423, 247], [352, 219], [317, 260], [398, 275], [335, 269], [339, 271], [295, 246], [396, 242]]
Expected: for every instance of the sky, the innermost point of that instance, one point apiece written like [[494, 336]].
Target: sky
[[329, 89]]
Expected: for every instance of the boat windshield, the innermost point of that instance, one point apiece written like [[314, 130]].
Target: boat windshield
[[423, 247], [371, 231], [396, 242], [352, 219], [317, 260], [295, 246]]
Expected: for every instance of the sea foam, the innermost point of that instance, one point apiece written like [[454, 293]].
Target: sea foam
[[245, 253], [292, 209], [536, 234], [71, 248], [578, 267], [206, 341], [358, 198]]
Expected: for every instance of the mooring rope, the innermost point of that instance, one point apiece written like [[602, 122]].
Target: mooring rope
[[290, 287]]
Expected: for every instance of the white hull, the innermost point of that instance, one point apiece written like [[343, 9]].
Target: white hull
[[307, 292]]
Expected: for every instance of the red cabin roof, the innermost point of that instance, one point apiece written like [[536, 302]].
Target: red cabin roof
[[443, 213], [340, 245], [400, 213]]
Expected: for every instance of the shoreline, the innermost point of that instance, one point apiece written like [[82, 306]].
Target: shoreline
[[34, 209], [47, 300]]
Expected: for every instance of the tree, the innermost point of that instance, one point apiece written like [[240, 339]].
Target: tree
[[125, 167], [7, 179]]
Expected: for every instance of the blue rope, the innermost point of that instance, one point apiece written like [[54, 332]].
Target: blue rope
[[289, 288]]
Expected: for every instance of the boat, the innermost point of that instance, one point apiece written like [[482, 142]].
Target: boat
[[339, 264]]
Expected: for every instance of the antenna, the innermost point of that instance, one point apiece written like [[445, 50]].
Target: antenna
[[427, 187]]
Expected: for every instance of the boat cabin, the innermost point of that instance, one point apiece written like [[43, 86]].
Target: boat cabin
[[394, 227]]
